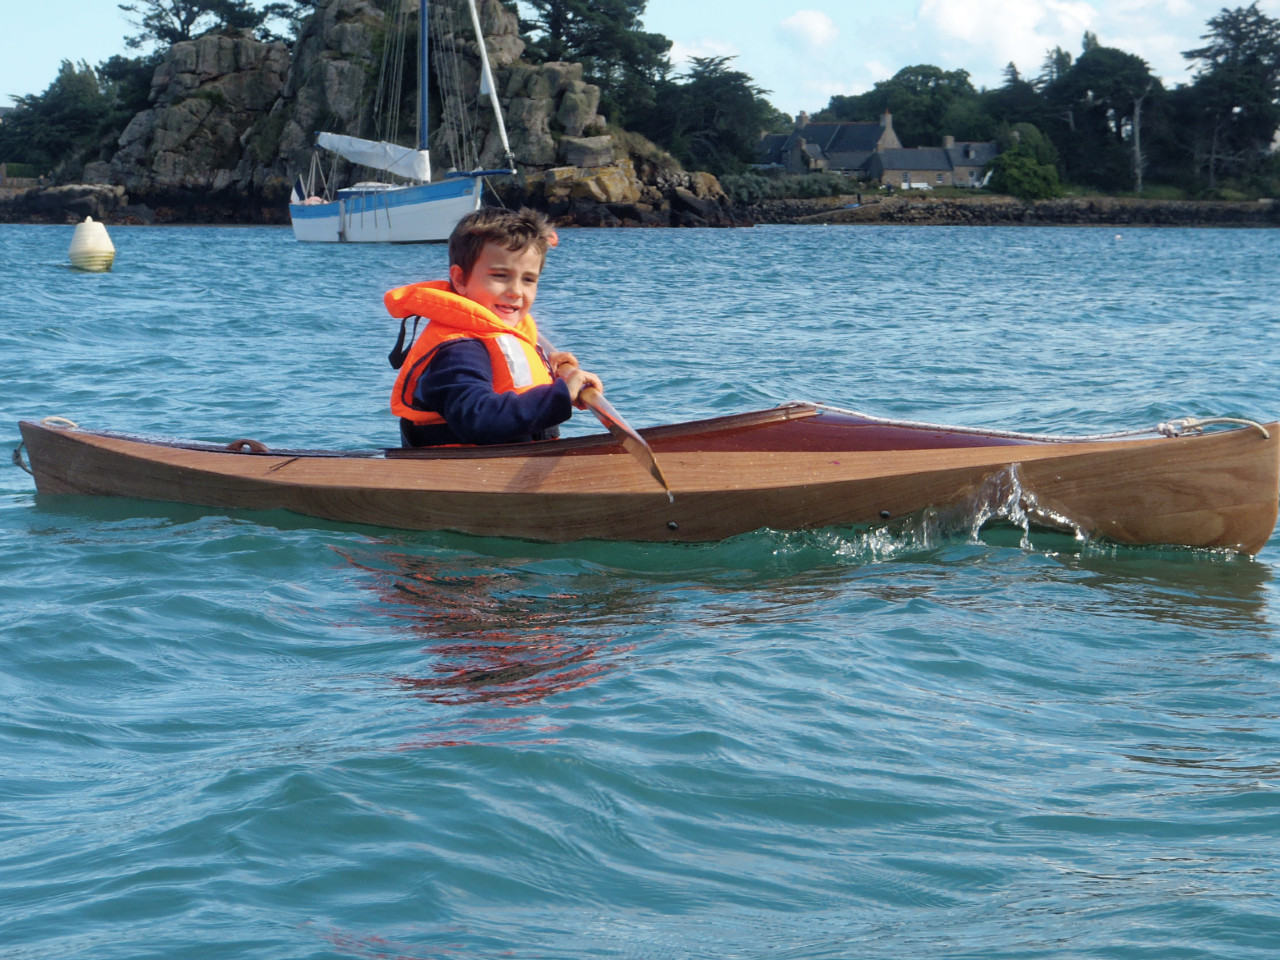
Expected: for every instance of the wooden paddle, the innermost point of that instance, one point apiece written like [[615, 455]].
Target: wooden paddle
[[631, 441]]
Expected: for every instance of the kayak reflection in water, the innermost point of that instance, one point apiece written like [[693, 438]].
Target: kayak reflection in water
[[490, 641]]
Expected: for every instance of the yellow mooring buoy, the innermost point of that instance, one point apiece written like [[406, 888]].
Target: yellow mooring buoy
[[91, 248]]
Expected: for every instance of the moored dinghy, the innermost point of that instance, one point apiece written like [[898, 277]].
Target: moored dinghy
[[798, 466]]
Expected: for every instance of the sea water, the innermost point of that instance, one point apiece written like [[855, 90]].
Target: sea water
[[256, 735]]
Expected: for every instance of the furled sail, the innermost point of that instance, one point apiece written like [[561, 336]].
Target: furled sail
[[487, 86], [402, 161]]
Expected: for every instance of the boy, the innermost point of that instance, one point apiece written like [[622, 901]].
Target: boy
[[479, 374]]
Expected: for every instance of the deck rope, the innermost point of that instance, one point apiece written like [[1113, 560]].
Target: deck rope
[[59, 422], [1169, 428], [1176, 428]]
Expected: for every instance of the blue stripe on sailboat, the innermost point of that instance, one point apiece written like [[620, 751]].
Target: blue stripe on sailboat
[[360, 202]]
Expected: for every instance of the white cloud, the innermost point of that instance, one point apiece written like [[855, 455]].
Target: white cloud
[[1018, 31], [682, 53], [880, 71], [811, 29]]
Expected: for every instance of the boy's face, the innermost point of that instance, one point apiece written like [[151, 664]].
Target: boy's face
[[505, 281]]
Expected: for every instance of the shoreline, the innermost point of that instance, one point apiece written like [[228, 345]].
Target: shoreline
[[69, 204], [995, 210]]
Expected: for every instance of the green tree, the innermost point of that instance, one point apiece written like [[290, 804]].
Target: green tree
[[50, 127], [126, 83], [711, 118], [291, 15], [1018, 100], [1098, 105], [1019, 173], [81, 114], [1234, 96], [166, 22], [919, 97], [1056, 64], [608, 39], [1026, 138]]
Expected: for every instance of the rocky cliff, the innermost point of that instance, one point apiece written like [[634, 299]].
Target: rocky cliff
[[232, 122]]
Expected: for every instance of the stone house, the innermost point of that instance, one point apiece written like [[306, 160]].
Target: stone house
[[922, 167], [873, 151], [817, 147], [951, 165], [968, 159]]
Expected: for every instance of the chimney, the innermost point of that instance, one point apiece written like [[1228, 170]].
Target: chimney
[[802, 120], [886, 119], [948, 143]]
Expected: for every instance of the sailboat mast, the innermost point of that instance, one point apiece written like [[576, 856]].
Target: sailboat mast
[[423, 75]]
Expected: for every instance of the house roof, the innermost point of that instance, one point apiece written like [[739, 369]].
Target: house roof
[[769, 150], [850, 137], [814, 150], [852, 142], [975, 153], [918, 158]]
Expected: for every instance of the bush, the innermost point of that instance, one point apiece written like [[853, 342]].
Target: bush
[[746, 188], [21, 170], [1020, 174], [644, 151]]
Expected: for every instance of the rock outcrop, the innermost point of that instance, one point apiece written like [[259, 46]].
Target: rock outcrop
[[232, 122], [232, 114], [206, 94], [69, 203]]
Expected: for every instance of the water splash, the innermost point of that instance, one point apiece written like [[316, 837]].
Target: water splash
[[1002, 498]]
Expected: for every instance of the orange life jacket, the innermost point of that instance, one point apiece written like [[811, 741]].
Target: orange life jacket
[[518, 364]]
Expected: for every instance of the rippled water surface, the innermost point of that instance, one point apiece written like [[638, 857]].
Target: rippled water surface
[[262, 736]]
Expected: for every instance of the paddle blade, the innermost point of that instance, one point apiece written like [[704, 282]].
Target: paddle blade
[[631, 441]]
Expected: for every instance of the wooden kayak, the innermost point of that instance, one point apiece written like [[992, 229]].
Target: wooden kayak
[[798, 466]]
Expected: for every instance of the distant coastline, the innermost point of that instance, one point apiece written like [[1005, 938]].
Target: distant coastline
[[992, 210], [71, 203]]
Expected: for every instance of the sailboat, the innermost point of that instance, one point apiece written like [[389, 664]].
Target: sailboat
[[417, 211]]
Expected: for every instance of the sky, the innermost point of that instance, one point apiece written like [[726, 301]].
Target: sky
[[802, 52]]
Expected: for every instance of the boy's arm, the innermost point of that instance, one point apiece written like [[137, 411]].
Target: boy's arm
[[459, 384]]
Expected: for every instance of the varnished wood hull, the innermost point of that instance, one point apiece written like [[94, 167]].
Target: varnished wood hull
[[794, 468]]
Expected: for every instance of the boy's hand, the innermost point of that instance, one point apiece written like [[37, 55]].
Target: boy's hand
[[559, 358], [578, 380]]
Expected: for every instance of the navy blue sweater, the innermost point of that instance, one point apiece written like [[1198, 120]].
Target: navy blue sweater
[[458, 384]]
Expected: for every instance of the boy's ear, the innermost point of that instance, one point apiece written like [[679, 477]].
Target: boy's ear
[[456, 276]]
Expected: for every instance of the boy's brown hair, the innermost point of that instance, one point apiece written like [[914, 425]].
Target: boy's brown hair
[[513, 229]]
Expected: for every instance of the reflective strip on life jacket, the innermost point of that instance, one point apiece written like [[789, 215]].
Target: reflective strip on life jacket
[[517, 363]]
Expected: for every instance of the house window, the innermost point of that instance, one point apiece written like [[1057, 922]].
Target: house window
[[906, 176], [939, 178]]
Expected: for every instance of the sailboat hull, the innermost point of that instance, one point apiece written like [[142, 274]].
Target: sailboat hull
[[418, 214]]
